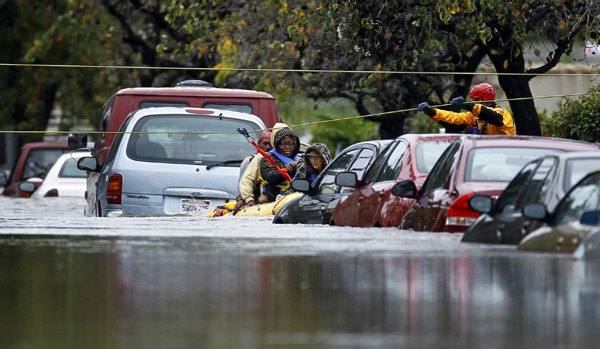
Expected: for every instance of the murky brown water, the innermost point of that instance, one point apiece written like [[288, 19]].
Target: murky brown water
[[69, 281]]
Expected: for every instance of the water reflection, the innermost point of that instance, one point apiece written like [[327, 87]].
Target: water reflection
[[98, 293]]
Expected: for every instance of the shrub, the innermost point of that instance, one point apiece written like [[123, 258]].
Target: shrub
[[576, 119]]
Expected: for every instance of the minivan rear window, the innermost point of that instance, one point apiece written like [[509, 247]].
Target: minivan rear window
[[190, 139], [239, 107], [157, 104]]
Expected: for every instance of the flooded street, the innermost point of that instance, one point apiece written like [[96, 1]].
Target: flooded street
[[70, 281]]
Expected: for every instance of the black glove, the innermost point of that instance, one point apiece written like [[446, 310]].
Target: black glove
[[460, 103], [425, 108]]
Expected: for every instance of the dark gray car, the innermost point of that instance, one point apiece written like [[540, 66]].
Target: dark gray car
[[544, 180], [319, 200]]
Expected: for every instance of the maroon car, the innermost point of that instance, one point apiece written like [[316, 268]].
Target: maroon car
[[409, 157], [473, 164], [34, 162]]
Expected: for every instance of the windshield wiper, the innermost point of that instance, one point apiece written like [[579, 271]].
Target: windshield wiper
[[239, 161]]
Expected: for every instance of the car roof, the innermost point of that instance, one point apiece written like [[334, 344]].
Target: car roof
[[529, 141], [193, 92], [33, 145], [200, 112]]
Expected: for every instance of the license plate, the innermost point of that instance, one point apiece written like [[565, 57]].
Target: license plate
[[190, 206]]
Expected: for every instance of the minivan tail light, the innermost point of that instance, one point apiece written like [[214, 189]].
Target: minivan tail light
[[459, 212], [114, 189]]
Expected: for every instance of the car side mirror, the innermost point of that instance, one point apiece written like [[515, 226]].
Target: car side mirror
[[301, 185], [346, 179], [77, 141], [535, 210], [406, 189], [27, 187], [590, 218], [88, 163], [3, 179], [481, 203]]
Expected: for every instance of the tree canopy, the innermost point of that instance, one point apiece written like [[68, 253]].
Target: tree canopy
[[400, 53]]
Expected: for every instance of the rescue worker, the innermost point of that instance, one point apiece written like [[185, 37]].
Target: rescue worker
[[481, 118], [286, 146], [316, 157], [264, 143]]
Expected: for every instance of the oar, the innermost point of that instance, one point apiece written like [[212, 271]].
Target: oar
[[283, 171]]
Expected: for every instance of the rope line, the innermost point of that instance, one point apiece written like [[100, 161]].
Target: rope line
[[283, 70], [50, 133]]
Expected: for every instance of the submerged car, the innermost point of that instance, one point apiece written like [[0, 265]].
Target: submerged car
[[575, 216], [473, 164], [32, 164], [544, 180], [410, 157], [168, 161], [319, 199], [63, 179]]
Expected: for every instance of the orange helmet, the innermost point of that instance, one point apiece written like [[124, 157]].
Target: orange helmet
[[483, 92]]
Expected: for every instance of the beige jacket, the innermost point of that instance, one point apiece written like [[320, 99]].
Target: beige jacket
[[251, 178]]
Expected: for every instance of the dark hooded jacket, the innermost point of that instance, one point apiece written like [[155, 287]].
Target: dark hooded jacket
[[305, 170], [272, 181]]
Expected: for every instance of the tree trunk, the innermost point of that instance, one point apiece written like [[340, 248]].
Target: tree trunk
[[524, 113]]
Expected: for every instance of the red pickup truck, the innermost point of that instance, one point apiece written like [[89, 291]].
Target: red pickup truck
[[33, 163], [189, 93]]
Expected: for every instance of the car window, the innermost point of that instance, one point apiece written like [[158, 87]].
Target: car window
[[360, 166], [362, 161], [441, 170], [239, 107], [69, 170], [428, 153], [576, 169], [536, 189], [374, 170], [156, 104], [500, 164], [189, 139], [341, 163], [116, 144], [39, 161], [585, 196], [507, 202], [391, 166]]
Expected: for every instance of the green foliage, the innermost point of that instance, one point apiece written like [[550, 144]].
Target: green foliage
[[421, 123], [577, 118], [336, 134]]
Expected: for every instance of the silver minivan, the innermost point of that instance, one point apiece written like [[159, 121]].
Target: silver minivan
[[169, 161]]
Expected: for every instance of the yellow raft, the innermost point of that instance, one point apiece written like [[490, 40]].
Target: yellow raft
[[266, 209]]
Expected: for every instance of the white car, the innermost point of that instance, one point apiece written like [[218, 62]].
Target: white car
[[64, 178]]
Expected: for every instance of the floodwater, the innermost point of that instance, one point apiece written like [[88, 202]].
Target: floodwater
[[69, 281]]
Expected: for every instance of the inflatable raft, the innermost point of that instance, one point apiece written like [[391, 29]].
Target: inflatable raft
[[266, 209]]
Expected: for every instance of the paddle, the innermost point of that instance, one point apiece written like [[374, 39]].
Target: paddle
[[283, 171]]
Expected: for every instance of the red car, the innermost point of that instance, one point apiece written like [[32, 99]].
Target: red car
[[33, 163], [409, 157], [473, 164]]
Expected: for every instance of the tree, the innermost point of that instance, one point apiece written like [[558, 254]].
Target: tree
[[451, 36]]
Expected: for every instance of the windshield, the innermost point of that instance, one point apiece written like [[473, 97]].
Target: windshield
[[190, 139], [428, 153], [576, 169], [585, 196], [39, 161], [70, 170], [500, 164]]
